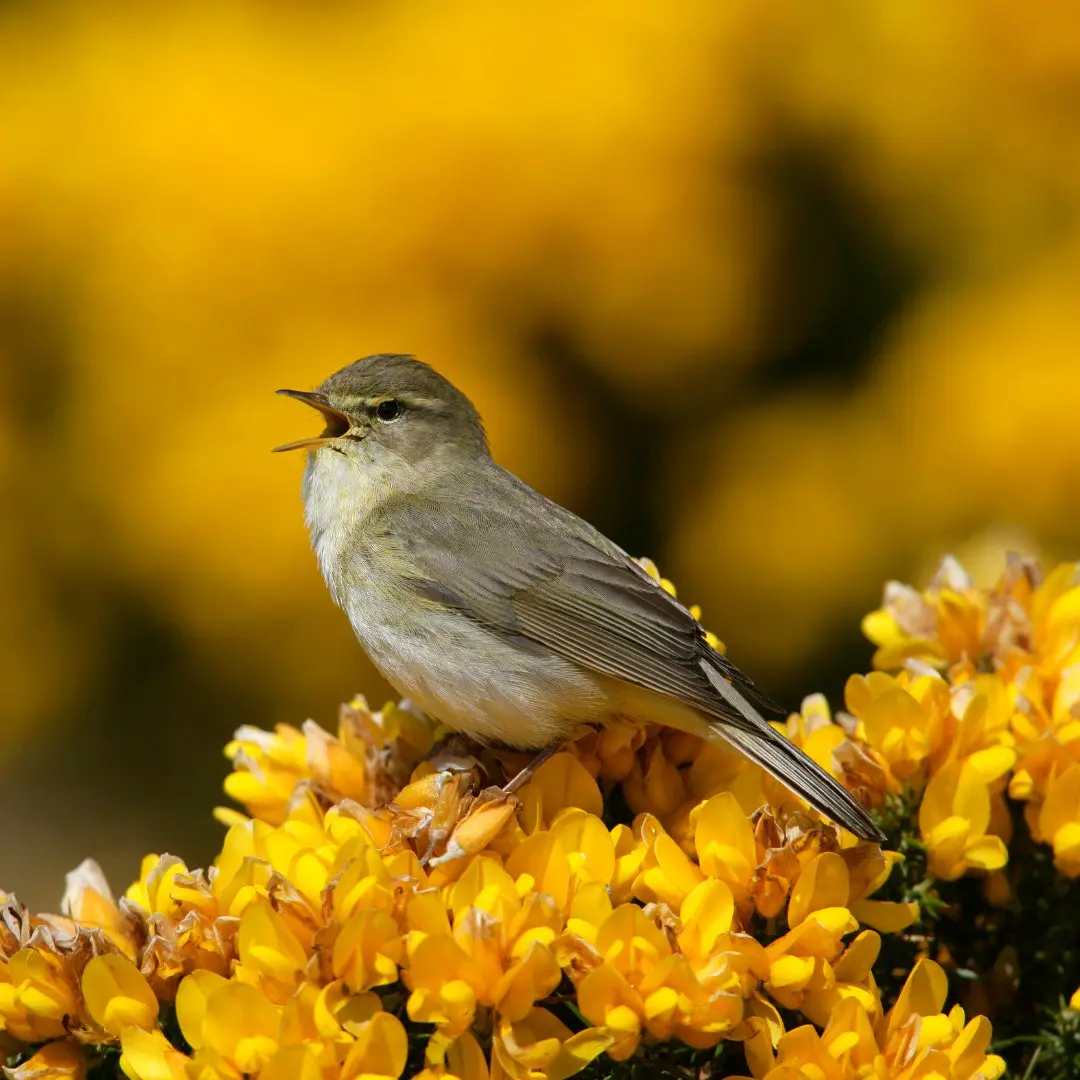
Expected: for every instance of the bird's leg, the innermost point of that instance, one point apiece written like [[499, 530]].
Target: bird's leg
[[529, 769]]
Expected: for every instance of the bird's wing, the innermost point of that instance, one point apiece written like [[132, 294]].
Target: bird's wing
[[572, 591], [576, 594]]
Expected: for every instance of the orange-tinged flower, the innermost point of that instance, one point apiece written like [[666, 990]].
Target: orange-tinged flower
[[158, 890], [845, 1050], [397, 724], [639, 983], [654, 784], [610, 751], [1065, 704], [241, 874], [513, 962], [37, 994], [941, 625], [338, 770], [829, 741], [89, 901], [351, 821], [63, 1059], [822, 743], [1055, 609], [270, 768], [1045, 750], [267, 767], [715, 767], [984, 709], [299, 850], [425, 915], [430, 803], [763, 1028], [533, 974], [117, 994], [478, 828]]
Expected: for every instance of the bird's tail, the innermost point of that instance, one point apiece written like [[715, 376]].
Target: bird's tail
[[754, 737]]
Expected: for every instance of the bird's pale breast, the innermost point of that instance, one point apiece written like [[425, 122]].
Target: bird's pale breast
[[489, 688]]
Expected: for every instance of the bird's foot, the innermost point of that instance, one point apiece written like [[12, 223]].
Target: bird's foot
[[527, 772]]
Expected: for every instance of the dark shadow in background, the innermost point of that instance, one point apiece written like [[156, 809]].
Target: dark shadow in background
[[849, 283]]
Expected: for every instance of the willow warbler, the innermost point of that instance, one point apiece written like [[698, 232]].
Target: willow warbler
[[497, 611]]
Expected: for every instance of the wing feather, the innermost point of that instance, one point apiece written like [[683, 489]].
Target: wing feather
[[572, 591]]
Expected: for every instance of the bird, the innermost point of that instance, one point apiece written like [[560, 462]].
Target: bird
[[497, 611]]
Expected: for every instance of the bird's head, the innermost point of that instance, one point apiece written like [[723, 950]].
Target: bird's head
[[390, 408]]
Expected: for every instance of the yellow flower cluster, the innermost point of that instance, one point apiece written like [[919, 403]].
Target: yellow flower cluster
[[377, 904], [988, 700], [915, 1040]]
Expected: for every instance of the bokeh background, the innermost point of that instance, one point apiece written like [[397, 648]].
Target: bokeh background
[[786, 296]]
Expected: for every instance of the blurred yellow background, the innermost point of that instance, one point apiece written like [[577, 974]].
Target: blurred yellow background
[[784, 296]]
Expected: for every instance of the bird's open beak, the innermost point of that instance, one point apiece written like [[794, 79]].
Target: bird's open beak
[[337, 423]]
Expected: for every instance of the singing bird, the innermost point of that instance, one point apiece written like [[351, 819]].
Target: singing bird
[[496, 610]]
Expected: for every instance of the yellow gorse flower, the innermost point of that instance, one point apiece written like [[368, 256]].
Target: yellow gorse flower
[[1005, 715], [271, 957], [374, 884], [914, 1041]]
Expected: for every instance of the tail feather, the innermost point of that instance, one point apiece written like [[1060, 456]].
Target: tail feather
[[762, 743]]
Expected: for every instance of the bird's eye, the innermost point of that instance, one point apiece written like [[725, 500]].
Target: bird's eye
[[388, 410]]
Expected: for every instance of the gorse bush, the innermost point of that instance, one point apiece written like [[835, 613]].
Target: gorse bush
[[645, 905]]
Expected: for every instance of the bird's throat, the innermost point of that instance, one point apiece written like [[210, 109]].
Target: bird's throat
[[339, 493]]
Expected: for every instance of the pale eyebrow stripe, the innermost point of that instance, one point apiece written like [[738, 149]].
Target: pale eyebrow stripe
[[406, 399]]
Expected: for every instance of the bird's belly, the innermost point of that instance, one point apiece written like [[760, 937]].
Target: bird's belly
[[491, 689]]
